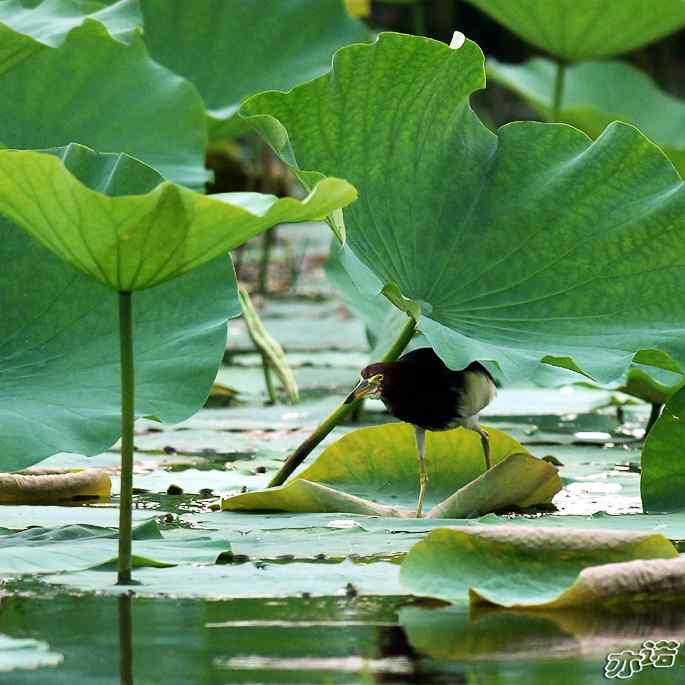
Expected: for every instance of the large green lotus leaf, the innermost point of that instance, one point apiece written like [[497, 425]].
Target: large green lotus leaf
[[81, 208], [59, 363], [100, 92], [521, 566], [49, 21], [587, 29], [231, 48], [597, 93], [375, 471], [382, 320], [662, 481], [531, 244]]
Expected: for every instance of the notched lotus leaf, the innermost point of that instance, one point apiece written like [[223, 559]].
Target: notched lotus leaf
[[662, 477], [586, 280], [586, 29], [597, 93], [522, 565], [36, 487], [132, 242], [375, 471]]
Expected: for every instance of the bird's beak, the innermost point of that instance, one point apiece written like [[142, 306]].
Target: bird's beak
[[364, 387]]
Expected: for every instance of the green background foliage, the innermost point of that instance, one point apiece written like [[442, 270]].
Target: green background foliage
[[597, 93], [587, 29]]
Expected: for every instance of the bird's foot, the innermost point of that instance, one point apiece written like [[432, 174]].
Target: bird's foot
[[423, 487]]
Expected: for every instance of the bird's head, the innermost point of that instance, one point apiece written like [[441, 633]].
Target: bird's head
[[370, 384]]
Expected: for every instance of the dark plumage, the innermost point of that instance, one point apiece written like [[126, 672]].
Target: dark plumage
[[421, 390]]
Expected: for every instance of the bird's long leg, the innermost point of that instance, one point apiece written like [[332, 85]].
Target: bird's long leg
[[420, 434], [485, 441]]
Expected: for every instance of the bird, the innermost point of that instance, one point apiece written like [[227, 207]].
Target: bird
[[420, 389]]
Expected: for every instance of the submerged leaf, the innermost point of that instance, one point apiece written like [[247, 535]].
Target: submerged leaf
[[587, 279], [662, 478], [597, 93], [89, 217], [586, 29], [525, 565], [375, 471]]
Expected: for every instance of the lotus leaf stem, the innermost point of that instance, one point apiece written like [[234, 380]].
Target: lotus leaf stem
[[339, 413], [558, 91], [127, 419]]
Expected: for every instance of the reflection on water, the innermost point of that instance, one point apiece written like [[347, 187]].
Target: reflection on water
[[125, 640], [128, 640]]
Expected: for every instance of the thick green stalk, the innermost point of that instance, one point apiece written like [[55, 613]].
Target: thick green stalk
[[338, 414], [558, 91], [127, 419]]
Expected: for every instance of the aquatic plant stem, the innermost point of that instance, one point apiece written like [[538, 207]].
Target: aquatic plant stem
[[268, 380], [127, 419], [654, 415], [339, 413], [558, 90]]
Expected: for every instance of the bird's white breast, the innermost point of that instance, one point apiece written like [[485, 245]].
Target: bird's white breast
[[478, 392]]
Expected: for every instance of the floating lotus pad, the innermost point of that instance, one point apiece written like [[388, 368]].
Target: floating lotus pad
[[530, 566], [375, 471]]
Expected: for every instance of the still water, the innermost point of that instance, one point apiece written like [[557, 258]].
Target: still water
[[99, 640]]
